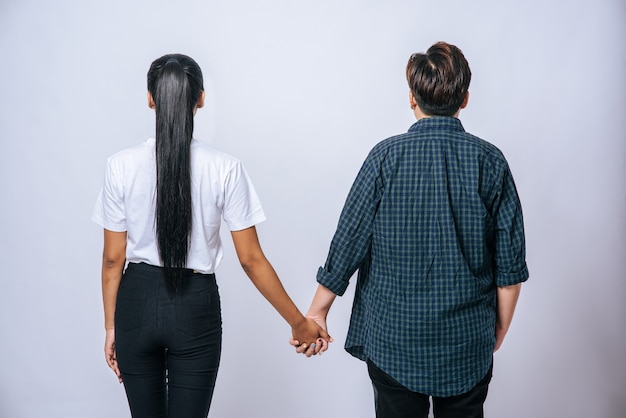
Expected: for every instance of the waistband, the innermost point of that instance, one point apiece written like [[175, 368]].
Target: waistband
[[158, 269]]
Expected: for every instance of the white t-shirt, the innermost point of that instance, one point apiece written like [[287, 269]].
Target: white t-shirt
[[220, 188]]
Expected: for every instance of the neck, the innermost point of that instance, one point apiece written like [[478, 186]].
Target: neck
[[421, 115]]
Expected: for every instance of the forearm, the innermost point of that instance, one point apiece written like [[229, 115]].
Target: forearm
[[506, 301], [263, 276], [111, 277], [265, 279], [113, 261], [322, 301]]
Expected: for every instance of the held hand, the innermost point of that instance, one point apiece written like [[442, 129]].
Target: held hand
[[320, 345], [314, 338], [109, 353]]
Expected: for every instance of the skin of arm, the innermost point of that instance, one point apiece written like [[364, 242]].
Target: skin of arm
[[506, 301], [265, 279], [113, 261], [320, 305]]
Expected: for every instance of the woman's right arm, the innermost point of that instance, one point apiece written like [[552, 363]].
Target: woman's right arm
[[113, 260]]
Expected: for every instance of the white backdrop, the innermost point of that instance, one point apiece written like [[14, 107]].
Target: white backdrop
[[300, 91]]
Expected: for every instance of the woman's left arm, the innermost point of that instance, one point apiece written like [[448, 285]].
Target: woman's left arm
[[262, 274], [113, 261]]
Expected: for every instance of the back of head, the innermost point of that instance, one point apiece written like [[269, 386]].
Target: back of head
[[439, 79], [175, 76], [175, 83]]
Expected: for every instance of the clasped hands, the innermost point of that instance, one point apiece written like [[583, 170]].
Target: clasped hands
[[310, 336]]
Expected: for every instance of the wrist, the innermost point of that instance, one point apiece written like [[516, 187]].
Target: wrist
[[317, 313], [298, 322]]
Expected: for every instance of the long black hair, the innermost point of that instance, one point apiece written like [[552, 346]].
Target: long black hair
[[175, 83]]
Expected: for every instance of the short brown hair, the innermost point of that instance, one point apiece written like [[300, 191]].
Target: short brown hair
[[439, 79]]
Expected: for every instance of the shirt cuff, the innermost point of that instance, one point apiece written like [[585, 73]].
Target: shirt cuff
[[512, 278], [333, 283]]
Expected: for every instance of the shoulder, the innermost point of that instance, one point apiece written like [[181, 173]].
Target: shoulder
[[481, 145], [483, 156], [205, 155], [389, 144], [205, 150], [133, 156], [486, 150]]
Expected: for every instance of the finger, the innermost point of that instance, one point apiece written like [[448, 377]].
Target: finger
[[311, 350], [321, 346], [326, 344], [302, 348], [116, 369], [113, 365], [293, 342]]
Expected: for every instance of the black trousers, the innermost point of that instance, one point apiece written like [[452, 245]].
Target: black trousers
[[168, 346], [392, 400]]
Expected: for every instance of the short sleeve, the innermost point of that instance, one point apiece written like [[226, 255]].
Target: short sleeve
[[242, 207], [109, 210]]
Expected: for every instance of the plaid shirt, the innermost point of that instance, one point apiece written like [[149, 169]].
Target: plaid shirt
[[433, 224]]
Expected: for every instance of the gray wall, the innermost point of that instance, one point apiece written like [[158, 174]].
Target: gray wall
[[300, 91]]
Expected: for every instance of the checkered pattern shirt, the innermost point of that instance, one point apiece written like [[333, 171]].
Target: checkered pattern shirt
[[433, 224]]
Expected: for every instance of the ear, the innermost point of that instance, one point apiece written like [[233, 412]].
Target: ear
[[200, 100], [412, 100], [464, 104], [150, 101]]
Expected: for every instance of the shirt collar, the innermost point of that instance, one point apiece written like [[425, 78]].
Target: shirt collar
[[445, 123]]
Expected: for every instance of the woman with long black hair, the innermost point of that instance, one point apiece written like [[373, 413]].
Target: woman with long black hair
[[161, 206]]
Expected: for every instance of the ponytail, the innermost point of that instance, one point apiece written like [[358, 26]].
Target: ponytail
[[175, 82]]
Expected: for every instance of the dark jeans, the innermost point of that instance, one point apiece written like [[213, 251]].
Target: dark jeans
[[168, 346], [393, 400]]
